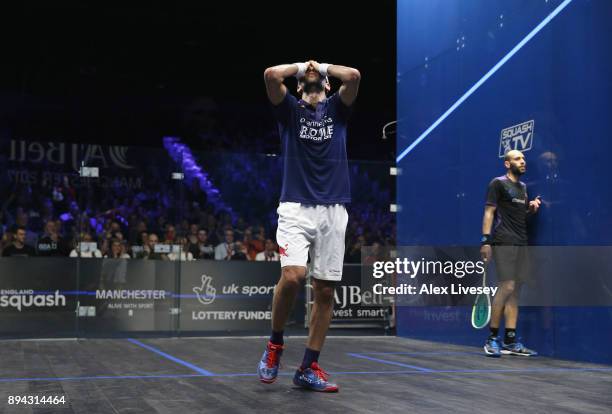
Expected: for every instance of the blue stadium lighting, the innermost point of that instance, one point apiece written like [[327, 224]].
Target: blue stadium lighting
[[183, 156], [484, 79]]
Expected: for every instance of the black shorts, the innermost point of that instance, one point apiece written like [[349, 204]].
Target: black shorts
[[512, 263]]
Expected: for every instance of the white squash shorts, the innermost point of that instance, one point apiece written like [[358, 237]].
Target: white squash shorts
[[315, 229]]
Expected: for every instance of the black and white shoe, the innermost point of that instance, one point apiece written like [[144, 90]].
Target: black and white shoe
[[517, 348]]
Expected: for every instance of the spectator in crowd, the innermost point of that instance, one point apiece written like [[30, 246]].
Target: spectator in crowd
[[125, 212], [22, 220], [240, 251], [143, 239], [136, 248], [112, 230], [19, 246], [160, 226], [116, 250], [225, 250], [259, 242], [220, 232], [149, 249], [250, 244], [115, 228], [269, 254], [211, 225], [239, 228], [124, 248], [79, 251], [184, 228], [185, 254], [51, 244], [193, 233], [202, 249], [105, 246], [170, 235], [136, 232]]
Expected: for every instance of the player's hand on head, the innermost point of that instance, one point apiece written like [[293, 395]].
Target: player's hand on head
[[314, 64]]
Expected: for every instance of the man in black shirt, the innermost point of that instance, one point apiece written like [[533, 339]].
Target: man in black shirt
[[202, 249], [51, 244], [19, 248], [504, 227]]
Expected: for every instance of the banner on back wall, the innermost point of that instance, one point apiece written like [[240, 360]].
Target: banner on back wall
[[118, 295], [49, 164], [67, 297], [227, 296], [352, 304], [37, 297]]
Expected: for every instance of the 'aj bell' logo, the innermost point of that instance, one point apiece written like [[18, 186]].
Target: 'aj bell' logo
[[206, 293]]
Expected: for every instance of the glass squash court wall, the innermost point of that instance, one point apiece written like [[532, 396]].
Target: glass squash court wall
[[552, 99]]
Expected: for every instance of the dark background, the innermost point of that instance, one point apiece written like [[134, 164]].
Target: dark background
[[133, 73]]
